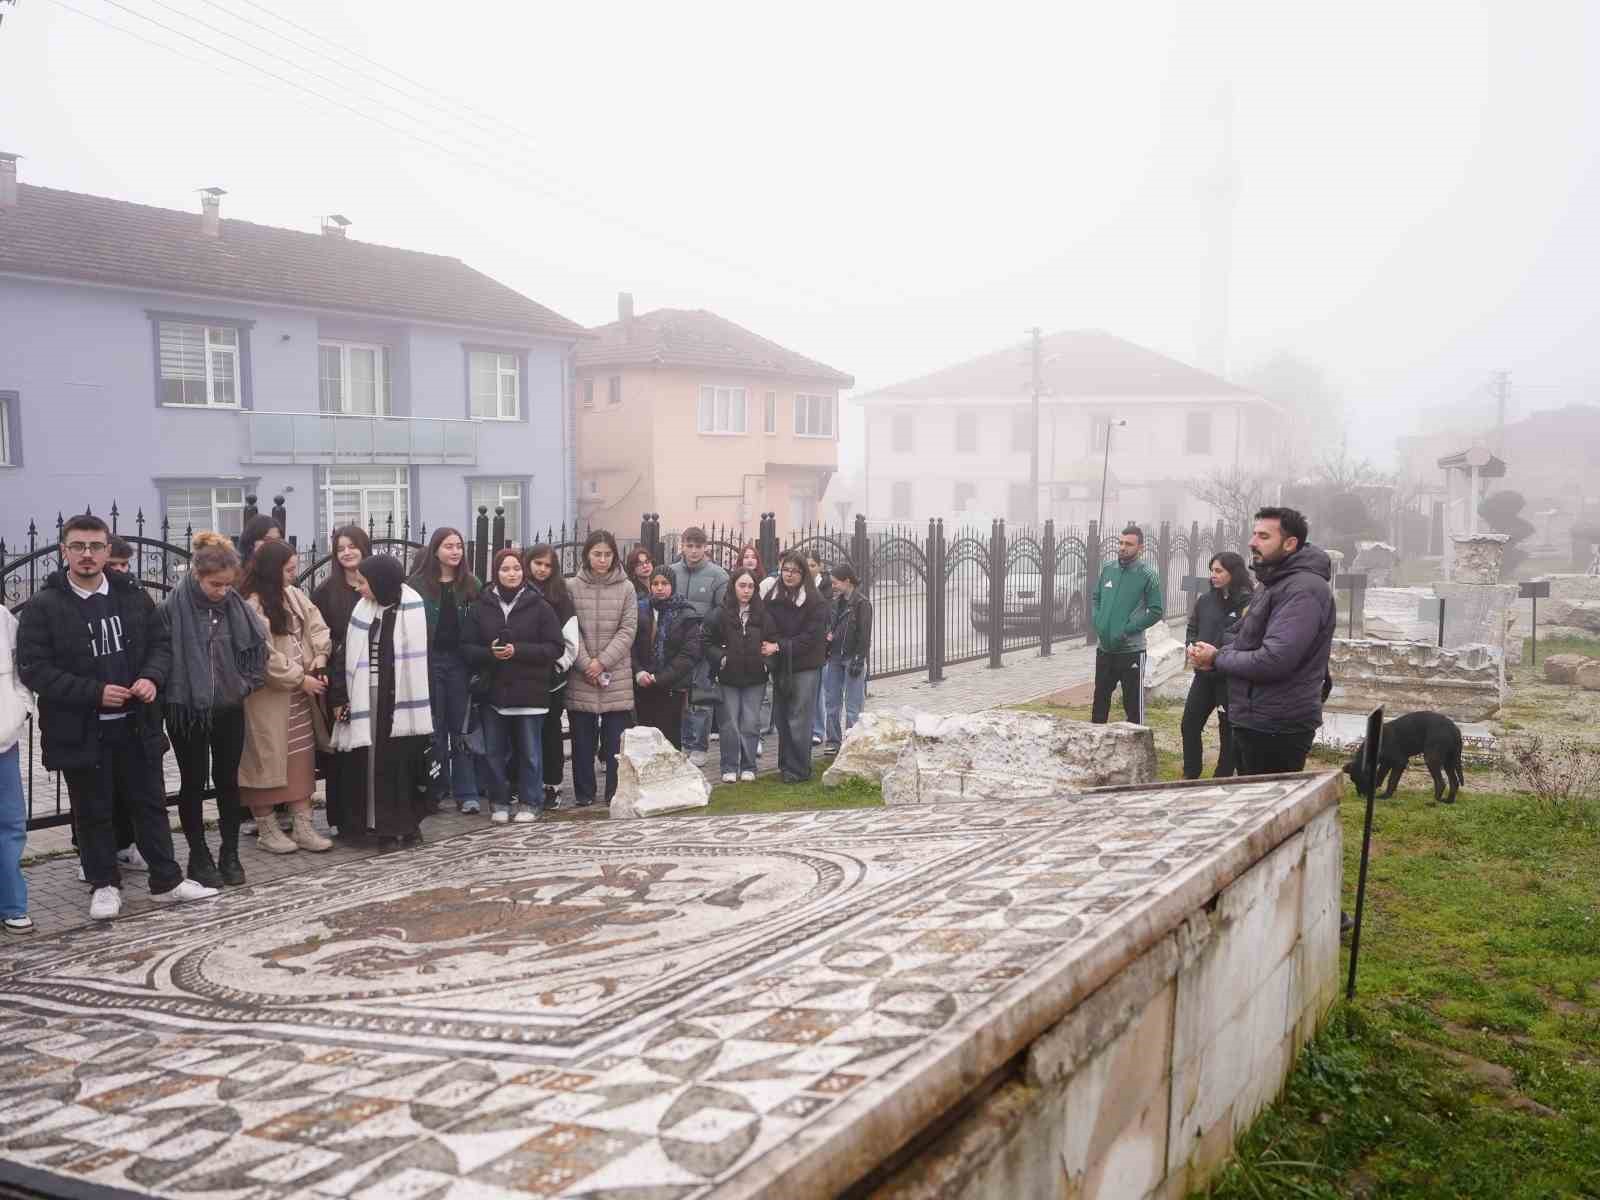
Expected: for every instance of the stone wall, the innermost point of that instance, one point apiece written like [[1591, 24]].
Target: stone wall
[[1142, 1090], [1465, 684]]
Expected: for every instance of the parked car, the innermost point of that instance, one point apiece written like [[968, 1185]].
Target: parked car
[[1023, 611]]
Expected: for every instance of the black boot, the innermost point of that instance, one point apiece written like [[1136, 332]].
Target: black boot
[[202, 869], [229, 866]]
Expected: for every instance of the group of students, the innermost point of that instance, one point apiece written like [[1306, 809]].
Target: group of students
[[255, 685]]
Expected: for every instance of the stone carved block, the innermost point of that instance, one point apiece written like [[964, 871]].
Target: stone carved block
[[1015, 756], [1481, 614], [871, 747], [1164, 656], [1465, 684], [1478, 557], [653, 778]]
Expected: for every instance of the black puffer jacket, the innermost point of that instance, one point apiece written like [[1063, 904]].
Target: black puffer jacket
[[802, 630], [673, 668], [532, 627], [734, 649], [56, 660], [1279, 656], [1215, 616]]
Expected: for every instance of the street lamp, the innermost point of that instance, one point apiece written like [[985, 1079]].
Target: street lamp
[[1105, 470]]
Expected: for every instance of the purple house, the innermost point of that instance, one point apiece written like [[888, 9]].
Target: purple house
[[179, 362]]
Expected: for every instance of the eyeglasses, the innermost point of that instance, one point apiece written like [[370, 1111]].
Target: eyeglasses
[[88, 547]]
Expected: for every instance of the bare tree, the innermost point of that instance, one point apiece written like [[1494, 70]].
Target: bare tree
[[1235, 493]]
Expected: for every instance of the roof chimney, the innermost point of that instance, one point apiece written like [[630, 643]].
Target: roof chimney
[[334, 225], [624, 306], [8, 180], [211, 211]]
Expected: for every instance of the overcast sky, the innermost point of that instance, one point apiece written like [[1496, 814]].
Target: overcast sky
[[893, 188]]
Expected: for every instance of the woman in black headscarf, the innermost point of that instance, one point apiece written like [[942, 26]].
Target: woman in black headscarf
[[382, 705]]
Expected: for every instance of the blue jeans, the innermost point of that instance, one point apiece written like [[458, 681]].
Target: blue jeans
[[447, 692], [697, 718], [591, 731], [522, 736], [793, 711], [843, 696], [819, 723], [13, 836], [740, 727]]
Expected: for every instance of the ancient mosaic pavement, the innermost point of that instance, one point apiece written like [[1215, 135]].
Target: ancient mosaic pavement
[[614, 1010]]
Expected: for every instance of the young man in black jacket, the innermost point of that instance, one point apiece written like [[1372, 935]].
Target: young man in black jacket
[[88, 645], [844, 675]]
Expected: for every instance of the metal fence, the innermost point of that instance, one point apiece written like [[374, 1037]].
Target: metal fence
[[940, 597]]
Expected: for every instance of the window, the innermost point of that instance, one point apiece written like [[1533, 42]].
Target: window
[[498, 493], [496, 386], [721, 410], [901, 436], [1197, 433], [965, 494], [199, 364], [1019, 503], [771, 424], [1022, 430], [194, 508], [900, 500], [588, 394], [8, 408], [379, 497], [966, 432], [353, 379], [614, 390], [813, 415]]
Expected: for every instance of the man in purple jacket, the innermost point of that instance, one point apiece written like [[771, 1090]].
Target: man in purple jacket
[[1278, 658]]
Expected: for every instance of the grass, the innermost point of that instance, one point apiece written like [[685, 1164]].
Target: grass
[[768, 793], [1550, 646]]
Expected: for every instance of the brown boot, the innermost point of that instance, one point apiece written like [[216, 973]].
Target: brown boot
[[306, 837], [270, 838]]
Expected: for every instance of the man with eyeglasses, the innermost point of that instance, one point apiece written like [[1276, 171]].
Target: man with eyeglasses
[[88, 647]]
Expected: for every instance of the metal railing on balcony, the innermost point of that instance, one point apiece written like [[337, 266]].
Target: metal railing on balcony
[[322, 438]]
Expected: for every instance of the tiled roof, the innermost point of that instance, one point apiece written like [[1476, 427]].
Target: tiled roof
[[1084, 363], [69, 235], [681, 337]]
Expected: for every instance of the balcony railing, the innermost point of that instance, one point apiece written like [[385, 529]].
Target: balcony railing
[[278, 437]]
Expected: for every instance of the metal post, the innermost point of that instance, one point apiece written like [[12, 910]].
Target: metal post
[[1535, 589], [1047, 588], [1369, 757], [1091, 580], [997, 592]]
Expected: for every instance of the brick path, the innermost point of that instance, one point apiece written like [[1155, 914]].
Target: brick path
[[58, 900]]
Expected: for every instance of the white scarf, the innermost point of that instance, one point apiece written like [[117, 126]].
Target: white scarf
[[413, 715]]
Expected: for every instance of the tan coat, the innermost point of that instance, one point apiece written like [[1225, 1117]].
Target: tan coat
[[608, 617], [265, 763]]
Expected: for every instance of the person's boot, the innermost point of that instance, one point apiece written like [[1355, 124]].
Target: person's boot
[[305, 836], [229, 866], [272, 839], [202, 868]]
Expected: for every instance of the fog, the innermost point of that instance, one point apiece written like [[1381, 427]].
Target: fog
[[1400, 195]]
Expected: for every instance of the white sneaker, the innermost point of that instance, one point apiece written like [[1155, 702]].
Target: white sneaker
[[469, 808], [247, 827], [500, 817], [131, 860], [105, 903], [525, 817], [697, 757], [730, 777], [747, 777], [187, 890], [82, 878], [761, 747]]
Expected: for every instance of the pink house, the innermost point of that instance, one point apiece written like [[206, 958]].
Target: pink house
[[683, 413]]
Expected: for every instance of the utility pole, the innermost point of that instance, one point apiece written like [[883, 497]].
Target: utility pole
[[1038, 386], [1501, 382]]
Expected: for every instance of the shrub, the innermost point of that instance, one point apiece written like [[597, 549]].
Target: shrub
[[1562, 775]]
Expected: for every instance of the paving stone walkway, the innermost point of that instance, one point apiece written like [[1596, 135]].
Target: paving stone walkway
[[58, 900]]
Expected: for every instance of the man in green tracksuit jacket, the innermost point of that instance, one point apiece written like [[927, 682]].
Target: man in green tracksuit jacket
[[1127, 601]]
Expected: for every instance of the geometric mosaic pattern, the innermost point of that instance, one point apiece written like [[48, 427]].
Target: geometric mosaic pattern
[[643, 1010]]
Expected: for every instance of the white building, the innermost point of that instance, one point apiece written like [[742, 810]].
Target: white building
[[958, 443]]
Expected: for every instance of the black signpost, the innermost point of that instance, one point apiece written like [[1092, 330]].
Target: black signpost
[[1535, 590], [1356, 585], [1369, 772], [1196, 586]]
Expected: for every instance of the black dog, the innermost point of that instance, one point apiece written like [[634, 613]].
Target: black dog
[[1430, 734]]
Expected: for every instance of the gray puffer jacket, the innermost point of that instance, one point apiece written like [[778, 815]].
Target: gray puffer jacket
[[1279, 655], [608, 616]]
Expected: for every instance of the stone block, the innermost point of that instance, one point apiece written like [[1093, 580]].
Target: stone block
[[1466, 684], [1477, 557], [1005, 755], [1322, 883], [1164, 655], [653, 778], [1573, 603], [1563, 668], [1576, 633], [870, 748], [1588, 676], [1480, 614], [1377, 561], [1391, 615]]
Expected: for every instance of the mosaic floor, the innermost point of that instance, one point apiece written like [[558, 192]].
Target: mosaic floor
[[618, 1011]]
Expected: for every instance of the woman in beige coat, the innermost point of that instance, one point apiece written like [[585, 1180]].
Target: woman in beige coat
[[600, 685], [284, 721]]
